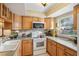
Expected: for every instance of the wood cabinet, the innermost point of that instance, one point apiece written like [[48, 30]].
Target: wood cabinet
[[16, 22], [51, 47], [0, 9], [7, 25], [60, 50], [75, 15], [27, 48], [4, 14], [41, 19], [37, 19], [4, 11], [10, 15], [27, 22], [70, 52], [56, 49], [47, 23]]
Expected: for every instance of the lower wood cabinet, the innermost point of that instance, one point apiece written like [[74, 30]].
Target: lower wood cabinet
[[60, 50], [27, 48], [70, 52], [51, 47], [56, 49]]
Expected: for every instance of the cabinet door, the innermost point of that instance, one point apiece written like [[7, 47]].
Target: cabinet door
[[27, 47], [0, 10], [51, 47], [27, 25], [4, 11], [60, 50], [35, 19], [17, 22], [41, 19], [47, 23], [27, 22], [7, 25]]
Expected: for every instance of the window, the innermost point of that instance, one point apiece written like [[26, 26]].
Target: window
[[66, 26]]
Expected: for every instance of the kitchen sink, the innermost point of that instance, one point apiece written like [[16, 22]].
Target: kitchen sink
[[9, 46], [12, 42]]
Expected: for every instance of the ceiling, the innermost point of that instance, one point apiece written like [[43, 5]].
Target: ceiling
[[29, 9], [36, 9]]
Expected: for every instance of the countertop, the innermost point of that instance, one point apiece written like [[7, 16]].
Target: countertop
[[64, 42], [13, 44], [9, 45], [6, 46]]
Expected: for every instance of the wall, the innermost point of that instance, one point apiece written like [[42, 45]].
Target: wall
[[55, 8], [78, 33], [58, 19]]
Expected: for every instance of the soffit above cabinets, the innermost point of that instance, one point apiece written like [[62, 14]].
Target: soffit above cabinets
[[29, 9]]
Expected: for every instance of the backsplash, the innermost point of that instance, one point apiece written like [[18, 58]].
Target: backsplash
[[0, 41]]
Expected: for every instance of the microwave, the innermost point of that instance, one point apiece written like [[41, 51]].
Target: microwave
[[38, 25]]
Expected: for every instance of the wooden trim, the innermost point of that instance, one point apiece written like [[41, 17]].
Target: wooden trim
[[22, 22]]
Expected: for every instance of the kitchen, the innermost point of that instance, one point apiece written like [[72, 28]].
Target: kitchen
[[38, 29]]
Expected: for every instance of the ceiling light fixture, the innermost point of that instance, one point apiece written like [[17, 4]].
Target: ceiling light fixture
[[44, 4]]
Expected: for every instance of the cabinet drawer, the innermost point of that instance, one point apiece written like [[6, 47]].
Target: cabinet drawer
[[70, 51], [60, 46], [67, 54], [27, 53], [51, 42], [27, 41]]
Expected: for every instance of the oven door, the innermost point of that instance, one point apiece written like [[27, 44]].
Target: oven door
[[39, 44]]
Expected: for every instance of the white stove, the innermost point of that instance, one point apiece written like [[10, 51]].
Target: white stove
[[39, 43], [39, 46]]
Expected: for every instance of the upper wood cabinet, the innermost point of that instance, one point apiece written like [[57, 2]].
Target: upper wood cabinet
[[47, 23], [10, 15], [4, 11], [76, 15], [41, 19], [16, 22], [27, 22], [0, 9], [7, 25], [37, 19]]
